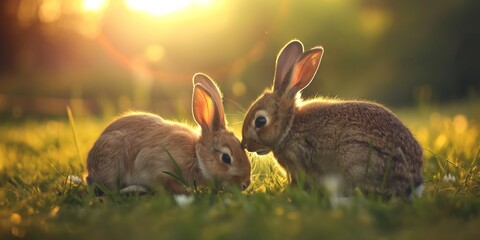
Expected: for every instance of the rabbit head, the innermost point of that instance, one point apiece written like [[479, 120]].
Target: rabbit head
[[220, 155], [269, 118]]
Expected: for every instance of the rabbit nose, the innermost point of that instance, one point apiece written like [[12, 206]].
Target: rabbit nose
[[245, 185], [243, 144]]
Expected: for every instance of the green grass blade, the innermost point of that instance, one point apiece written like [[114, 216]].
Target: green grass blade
[[178, 170], [179, 179], [74, 132]]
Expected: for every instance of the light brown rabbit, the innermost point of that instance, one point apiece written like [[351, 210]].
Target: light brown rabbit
[[362, 143], [132, 153]]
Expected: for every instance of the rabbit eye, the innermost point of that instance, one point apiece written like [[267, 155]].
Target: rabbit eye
[[260, 121], [226, 158]]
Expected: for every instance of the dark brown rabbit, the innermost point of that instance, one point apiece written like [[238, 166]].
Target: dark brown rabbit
[[362, 143], [133, 152]]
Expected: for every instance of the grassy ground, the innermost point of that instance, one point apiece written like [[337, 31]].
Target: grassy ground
[[39, 201]]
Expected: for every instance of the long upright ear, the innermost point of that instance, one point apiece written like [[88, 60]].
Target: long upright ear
[[205, 110], [285, 60], [211, 86], [303, 71]]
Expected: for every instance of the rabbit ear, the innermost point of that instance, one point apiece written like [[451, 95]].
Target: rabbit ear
[[206, 109], [209, 84], [303, 71], [285, 60]]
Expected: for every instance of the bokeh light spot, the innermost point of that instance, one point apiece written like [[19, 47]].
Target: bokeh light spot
[[18, 232], [54, 211], [374, 22], [279, 211], [26, 13], [89, 29], [239, 89], [440, 141], [460, 123], [15, 218], [50, 11], [154, 53]]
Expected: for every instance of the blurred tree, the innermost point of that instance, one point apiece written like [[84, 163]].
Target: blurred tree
[[396, 52]]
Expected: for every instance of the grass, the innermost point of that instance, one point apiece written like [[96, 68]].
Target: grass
[[38, 200]]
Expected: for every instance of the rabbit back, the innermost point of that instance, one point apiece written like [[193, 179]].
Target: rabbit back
[[364, 143], [132, 150]]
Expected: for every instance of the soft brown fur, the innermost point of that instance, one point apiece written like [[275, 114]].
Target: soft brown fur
[[132, 150], [362, 142]]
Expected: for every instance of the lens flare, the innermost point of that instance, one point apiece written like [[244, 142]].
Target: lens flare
[[157, 8]]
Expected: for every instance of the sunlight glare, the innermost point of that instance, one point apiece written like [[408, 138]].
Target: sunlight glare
[[94, 5], [203, 2], [157, 8]]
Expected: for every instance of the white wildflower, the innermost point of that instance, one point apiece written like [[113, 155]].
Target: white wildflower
[[449, 178], [74, 179], [183, 200], [333, 184], [417, 192]]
